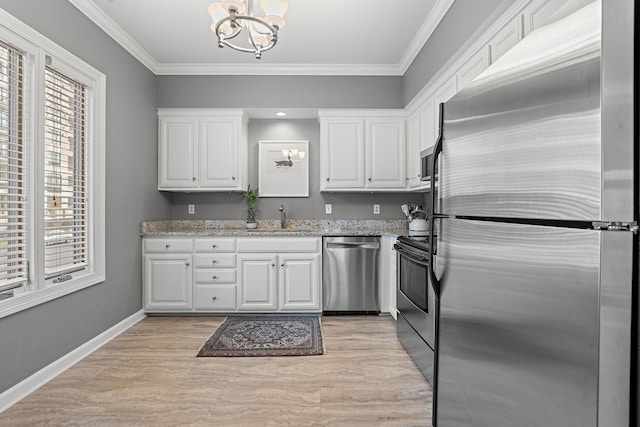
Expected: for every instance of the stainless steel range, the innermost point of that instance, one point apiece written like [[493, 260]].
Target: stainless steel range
[[416, 303]]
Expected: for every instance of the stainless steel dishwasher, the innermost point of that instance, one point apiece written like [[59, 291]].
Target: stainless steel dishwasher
[[350, 275]]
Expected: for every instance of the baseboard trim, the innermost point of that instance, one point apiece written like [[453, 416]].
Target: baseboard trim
[[27, 386]]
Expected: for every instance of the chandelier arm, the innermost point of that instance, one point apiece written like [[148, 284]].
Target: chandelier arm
[[239, 18]]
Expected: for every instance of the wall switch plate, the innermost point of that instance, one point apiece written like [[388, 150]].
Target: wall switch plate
[[192, 209], [376, 209], [328, 209]]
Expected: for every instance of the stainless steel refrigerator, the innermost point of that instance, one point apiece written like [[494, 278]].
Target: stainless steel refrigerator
[[535, 217]]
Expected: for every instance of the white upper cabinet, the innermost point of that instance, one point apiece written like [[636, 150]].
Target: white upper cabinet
[[218, 152], [385, 148], [342, 152], [473, 67], [445, 92], [202, 150], [362, 153], [178, 146], [505, 39], [540, 12], [414, 144]]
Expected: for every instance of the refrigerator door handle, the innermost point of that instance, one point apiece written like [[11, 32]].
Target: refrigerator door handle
[[437, 149]]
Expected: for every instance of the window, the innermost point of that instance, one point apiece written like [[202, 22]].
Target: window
[[13, 230], [52, 113]]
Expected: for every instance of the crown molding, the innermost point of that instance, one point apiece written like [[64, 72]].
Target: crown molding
[[113, 30], [279, 69], [440, 8]]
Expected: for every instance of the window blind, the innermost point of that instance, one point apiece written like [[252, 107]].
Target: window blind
[[13, 212], [65, 216]]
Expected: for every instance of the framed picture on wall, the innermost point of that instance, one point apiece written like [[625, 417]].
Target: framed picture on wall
[[283, 168]]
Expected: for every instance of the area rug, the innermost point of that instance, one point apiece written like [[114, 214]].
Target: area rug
[[265, 336]]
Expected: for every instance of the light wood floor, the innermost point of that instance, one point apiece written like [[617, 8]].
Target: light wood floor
[[149, 376]]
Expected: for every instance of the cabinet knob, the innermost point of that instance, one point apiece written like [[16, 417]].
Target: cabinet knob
[[369, 179], [214, 298], [273, 265], [187, 264], [214, 246], [233, 178], [213, 261], [327, 179], [215, 277], [167, 246], [281, 265], [193, 179]]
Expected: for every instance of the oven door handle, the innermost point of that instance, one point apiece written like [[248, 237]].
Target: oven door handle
[[411, 256]]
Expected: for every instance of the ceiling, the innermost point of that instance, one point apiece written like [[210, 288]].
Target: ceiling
[[321, 37]]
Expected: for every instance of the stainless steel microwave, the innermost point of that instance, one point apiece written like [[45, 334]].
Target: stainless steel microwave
[[426, 163]]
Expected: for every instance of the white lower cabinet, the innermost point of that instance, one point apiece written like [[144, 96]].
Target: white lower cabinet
[[257, 282], [247, 274], [286, 280], [167, 282], [299, 282]]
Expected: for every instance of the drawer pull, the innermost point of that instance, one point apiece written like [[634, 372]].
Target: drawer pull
[[281, 265], [215, 277], [167, 246], [214, 298], [214, 246], [273, 265], [213, 261], [187, 264]]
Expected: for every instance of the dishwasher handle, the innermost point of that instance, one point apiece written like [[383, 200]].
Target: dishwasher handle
[[353, 245]]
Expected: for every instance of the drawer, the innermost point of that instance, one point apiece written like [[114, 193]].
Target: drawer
[[168, 245], [219, 244], [215, 297], [214, 276], [215, 260], [278, 244]]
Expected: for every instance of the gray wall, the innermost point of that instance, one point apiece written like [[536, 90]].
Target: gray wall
[[279, 91], [462, 21], [345, 206], [36, 337]]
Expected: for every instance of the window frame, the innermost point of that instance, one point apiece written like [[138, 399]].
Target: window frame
[[41, 52]]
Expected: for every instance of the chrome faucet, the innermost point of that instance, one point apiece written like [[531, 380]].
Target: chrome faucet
[[283, 217]]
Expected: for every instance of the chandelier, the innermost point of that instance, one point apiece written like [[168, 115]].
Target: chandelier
[[247, 32]]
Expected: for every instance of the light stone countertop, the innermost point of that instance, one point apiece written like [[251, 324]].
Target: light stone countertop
[[392, 228]]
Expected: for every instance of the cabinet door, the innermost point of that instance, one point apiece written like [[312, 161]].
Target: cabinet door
[[444, 93], [541, 12], [414, 145], [386, 153], [429, 123], [473, 67], [257, 279], [299, 282], [167, 282], [177, 153], [219, 152], [506, 38], [342, 158]]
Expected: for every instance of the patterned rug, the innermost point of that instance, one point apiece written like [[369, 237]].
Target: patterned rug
[[265, 336]]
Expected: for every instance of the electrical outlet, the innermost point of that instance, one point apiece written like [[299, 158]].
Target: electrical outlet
[[376, 209], [192, 209], [328, 209]]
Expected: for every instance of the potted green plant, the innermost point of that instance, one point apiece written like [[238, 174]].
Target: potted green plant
[[250, 197]]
